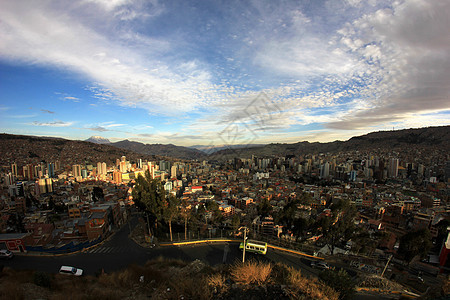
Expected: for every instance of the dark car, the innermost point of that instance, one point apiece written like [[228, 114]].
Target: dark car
[[320, 265]]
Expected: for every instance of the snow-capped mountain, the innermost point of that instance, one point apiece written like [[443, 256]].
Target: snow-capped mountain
[[98, 140]]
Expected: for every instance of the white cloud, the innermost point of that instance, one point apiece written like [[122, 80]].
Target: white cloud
[[53, 124], [346, 65], [39, 34]]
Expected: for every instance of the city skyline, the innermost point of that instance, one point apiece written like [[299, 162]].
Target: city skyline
[[199, 73]]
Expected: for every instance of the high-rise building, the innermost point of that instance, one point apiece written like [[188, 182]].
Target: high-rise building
[[393, 168], [57, 165], [51, 170], [20, 189], [117, 176], [14, 170], [42, 185], [173, 171], [9, 179], [353, 174], [37, 172], [123, 166], [99, 168], [325, 170], [76, 170], [28, 172]]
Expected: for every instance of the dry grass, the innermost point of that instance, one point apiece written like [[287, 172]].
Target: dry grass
[[162, 263], [189, 288], [167, 279], [216, 281], [251, 273], [312, 288], [10, 290]]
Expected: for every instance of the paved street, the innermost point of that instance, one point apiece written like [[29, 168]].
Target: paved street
[[119, 251]]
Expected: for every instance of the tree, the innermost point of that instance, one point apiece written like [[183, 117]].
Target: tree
[[149, 195], [300, 226], [185, 213], [288, 213], [170, 211], [235, 222], [415, 243], [97, 194], [265, 208], [340, 225], [339, 281], [365, 241]]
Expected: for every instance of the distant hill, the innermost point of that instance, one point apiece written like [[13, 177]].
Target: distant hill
[[98, 140], [31, 149], [429, 137], [160, 149], [212, 149]]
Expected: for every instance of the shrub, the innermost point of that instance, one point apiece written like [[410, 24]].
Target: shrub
[[10, 290], [340, 281], [41, 279], [216, 281], [301, 286], [251, 273]]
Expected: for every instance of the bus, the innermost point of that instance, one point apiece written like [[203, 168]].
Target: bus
[[254, 246]]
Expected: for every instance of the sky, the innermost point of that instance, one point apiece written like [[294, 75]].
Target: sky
[[222, 72]]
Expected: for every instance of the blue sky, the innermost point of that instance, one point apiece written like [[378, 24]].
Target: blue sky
[[222, 72]]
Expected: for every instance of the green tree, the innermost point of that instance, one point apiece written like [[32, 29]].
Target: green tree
[[149, 195], [235, 222], [265, 208], [185, 213], [415, 243], [340, 225], [366, 242], [170, 211], [97, 194], [300, 226], [339, 281], [213, 207]]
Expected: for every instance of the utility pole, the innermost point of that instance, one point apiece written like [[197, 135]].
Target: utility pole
[[243, 250], [385, 267]]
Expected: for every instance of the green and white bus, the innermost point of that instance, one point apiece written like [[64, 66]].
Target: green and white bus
[[254, 246]]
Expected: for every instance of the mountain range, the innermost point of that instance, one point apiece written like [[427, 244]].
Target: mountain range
[[28, 149], [427, 137]]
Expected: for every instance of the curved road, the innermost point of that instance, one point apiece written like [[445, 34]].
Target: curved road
[[120, 251]]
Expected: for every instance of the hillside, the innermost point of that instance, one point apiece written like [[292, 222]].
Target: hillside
[[160, 149], [29, 149], [169, 279], [425, 138]]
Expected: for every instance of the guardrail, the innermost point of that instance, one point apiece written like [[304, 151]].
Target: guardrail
[[237, 241]]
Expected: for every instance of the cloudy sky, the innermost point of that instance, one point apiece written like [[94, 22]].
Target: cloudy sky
[[222, 72]]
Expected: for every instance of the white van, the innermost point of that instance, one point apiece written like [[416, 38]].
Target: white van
[[70, 271]]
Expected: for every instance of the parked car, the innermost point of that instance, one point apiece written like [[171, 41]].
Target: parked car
[[70, 271], [417, 278], [6, 254], [320, 265]]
